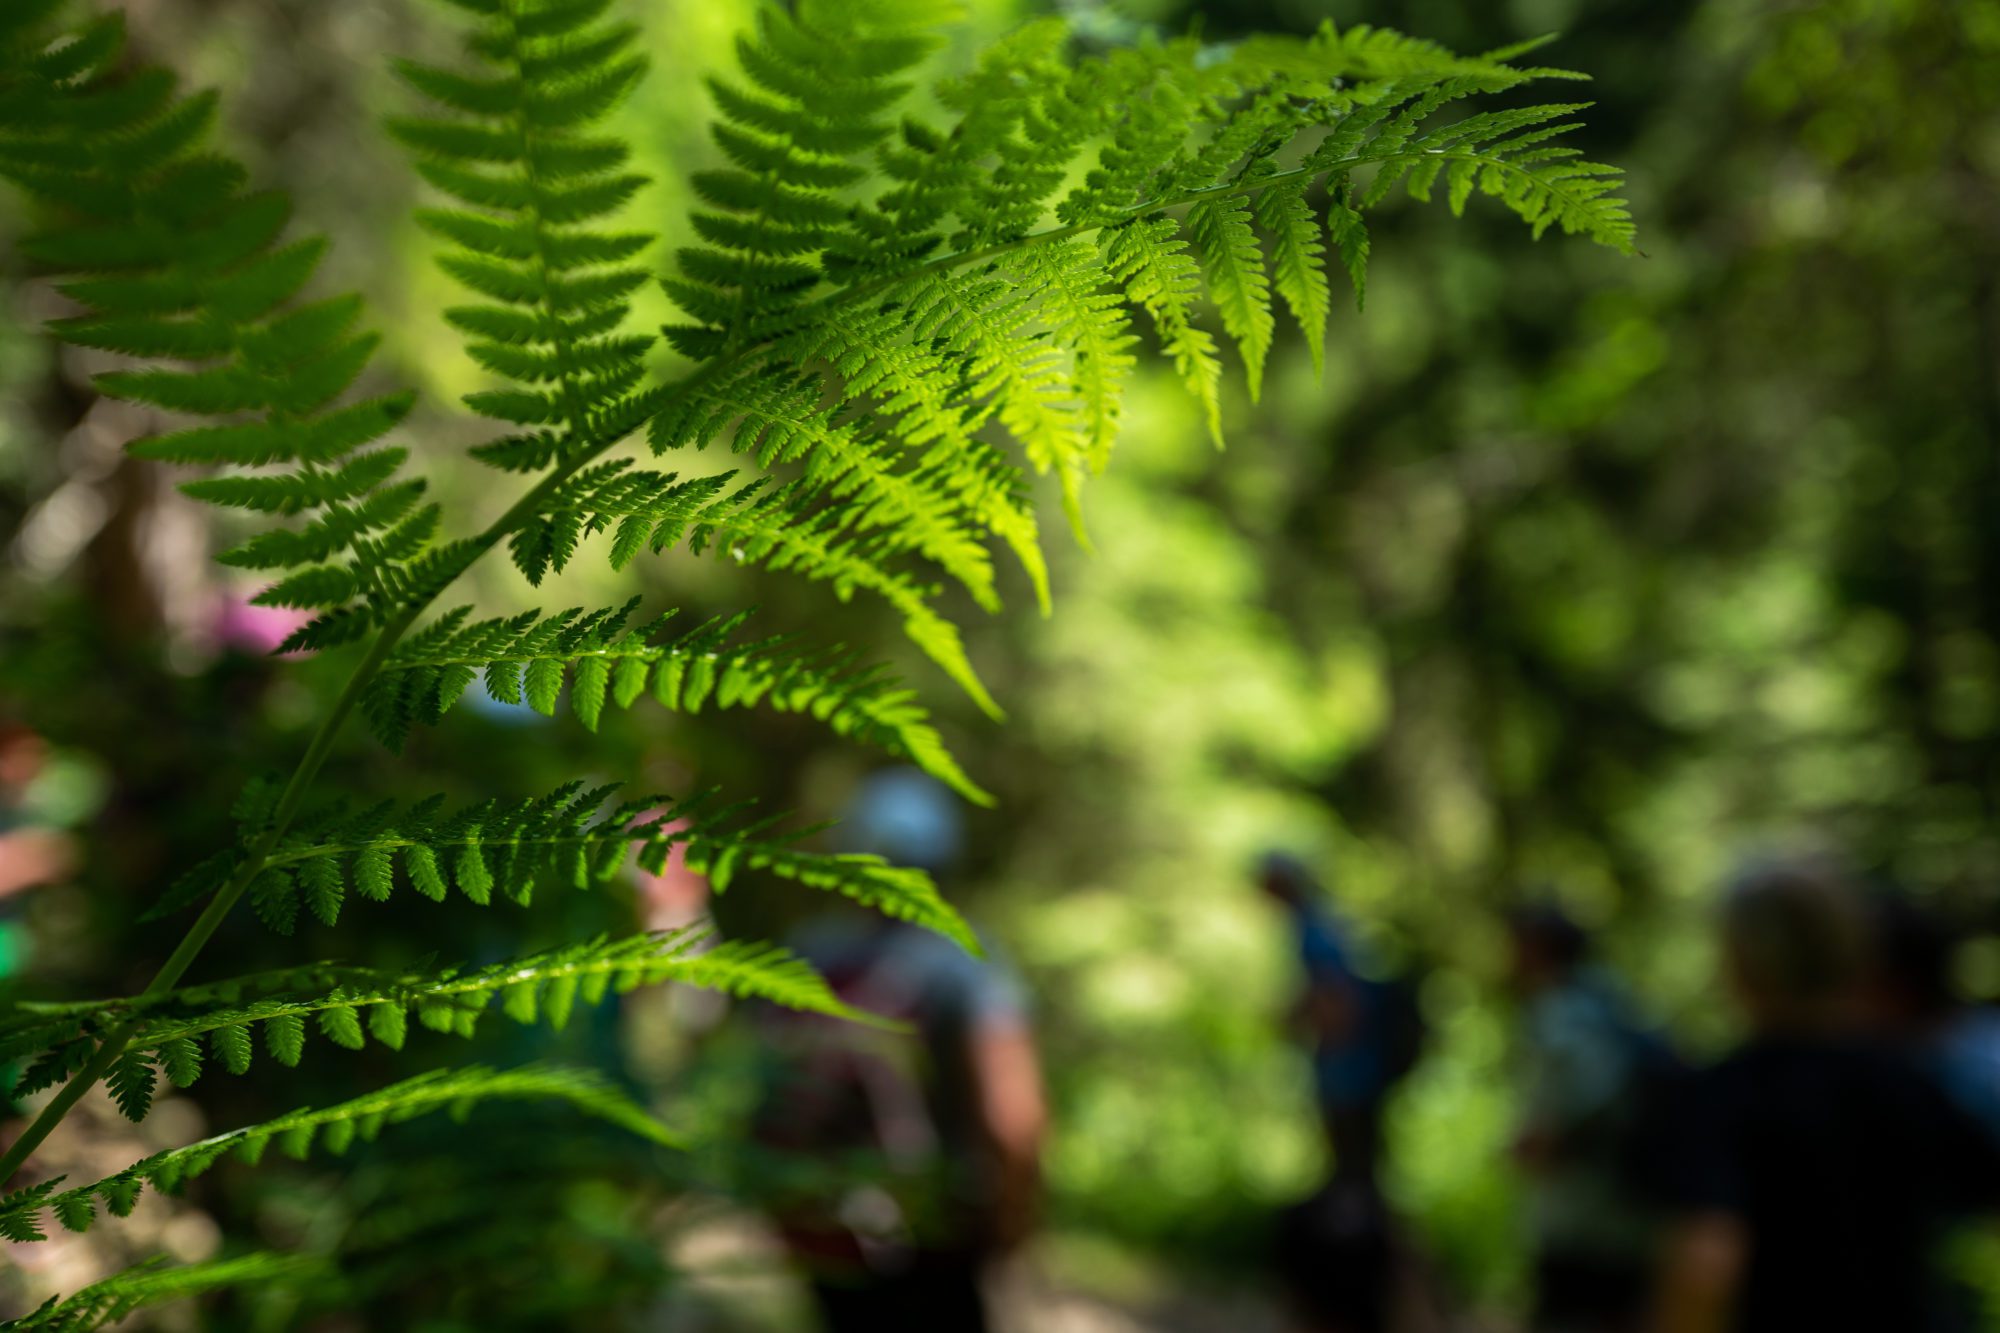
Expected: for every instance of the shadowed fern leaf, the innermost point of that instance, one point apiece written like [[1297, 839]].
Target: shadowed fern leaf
[[333, 1129], [184, 1033], [117, 1298], [571, 836], [177, 265]]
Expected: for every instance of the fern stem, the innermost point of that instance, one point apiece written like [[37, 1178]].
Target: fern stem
[[219, 906]]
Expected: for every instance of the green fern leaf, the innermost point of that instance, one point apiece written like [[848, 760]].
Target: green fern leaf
[[1149, 260], [1233, 264], [131, 1081], [1298, 267], [439, 1089]]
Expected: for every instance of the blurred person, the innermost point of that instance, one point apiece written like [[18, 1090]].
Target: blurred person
[[1819, 1164], [1593, 1081], [914, 1160], [32, 853], [1912, 998], [1364, 1034], [1337, 1250]]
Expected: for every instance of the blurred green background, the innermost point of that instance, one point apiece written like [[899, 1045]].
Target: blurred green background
[[1573, 574]]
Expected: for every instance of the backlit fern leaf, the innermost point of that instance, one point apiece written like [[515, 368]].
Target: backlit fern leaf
[[572, 836], [917, 394], [1151, 262], [817, 85], [1011, 371], [182, 1033], [1298, 267], [786, 527], [1090, 321], [535, 185], [608, 659], [967, 288], [1233, 264], [919, 503]]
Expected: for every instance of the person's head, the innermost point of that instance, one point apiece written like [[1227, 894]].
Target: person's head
[[23, 754], [1545, 946], [1910, 980], [1795, 943], [907, 817], [1286, 878]]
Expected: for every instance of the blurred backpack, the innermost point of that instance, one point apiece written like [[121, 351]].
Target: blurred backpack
[[1404, 1029], [859, 1173], [842, 1089], [1649, 1113]]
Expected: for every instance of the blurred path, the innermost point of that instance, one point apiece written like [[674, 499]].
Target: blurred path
[[737, 1282]]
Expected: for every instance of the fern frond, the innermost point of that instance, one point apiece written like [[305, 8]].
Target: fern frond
[[1298, 267], [990, 327], [183, 1030], [174, 262], [817, 86], [571, 837], [333, 1128], [1150, 261], [879, 296], [182, 1034], [533, 184], [967, 288], [607, 658], [1020, 119], [784, 528], [782, 420], [118, 1297], [1233, 264], [1088, 320], [919, 395]]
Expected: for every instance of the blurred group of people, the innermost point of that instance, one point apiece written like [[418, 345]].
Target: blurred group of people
[[1808, 1179]]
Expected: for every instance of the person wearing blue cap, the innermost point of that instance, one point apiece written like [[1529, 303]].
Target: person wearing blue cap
[[945, 1119], [1338, 1252]]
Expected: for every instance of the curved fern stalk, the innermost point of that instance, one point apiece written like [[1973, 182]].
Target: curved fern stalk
[[116, 1298], [606, 659], [333, 1128], [171, 251]]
